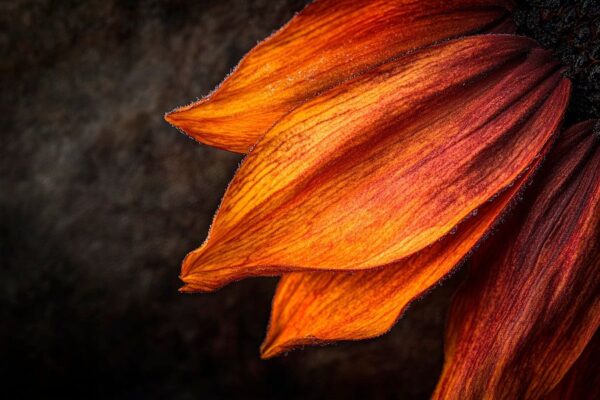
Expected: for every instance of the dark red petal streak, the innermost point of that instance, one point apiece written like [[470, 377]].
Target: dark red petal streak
[[582, 382], [531, 303]]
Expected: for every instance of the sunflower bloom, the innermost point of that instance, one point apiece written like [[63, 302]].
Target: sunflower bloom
[[384, 141]]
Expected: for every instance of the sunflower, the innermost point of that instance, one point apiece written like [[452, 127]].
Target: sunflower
[[385, 141]]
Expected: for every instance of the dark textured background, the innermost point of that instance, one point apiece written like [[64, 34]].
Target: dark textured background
[[100, 200]]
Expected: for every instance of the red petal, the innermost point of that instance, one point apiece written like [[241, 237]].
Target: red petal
[[582, 382], [385, 165], [531, 303], [328, 42]]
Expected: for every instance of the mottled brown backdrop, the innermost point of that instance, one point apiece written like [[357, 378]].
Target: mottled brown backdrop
[[100, 200]]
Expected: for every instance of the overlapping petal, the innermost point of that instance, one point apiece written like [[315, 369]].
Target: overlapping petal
[[532, 301], [381, 167], [582, 382], [321, 307], [328, 42]]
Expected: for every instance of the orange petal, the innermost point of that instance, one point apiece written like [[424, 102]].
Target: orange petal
[[328, 42], [531, 303], [321, 307], [385, 165], [582, 382]]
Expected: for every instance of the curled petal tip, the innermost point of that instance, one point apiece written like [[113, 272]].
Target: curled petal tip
[[190, 284], [199, 275]]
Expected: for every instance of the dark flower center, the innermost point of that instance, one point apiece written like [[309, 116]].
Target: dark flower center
[[571, 29]]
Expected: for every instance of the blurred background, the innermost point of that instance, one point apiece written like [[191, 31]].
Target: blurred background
[[100, 200]]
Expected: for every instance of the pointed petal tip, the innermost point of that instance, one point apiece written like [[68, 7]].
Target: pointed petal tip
[[168, 117], [198, 122], [195, 287], [269, 350], [269, 347], [176, 117], [186, 288], [276, 345], [189, 118], [173, 119]]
